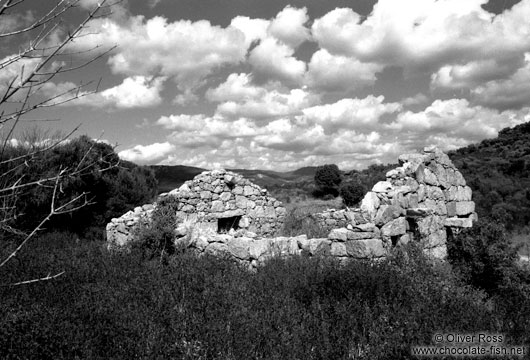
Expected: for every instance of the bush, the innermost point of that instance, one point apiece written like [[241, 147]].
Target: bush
[[327, 179], [484, 255], [156, 236], [113, 186], [299, 221], [352, 194]]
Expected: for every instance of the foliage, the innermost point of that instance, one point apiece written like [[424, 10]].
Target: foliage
[[327, 179], [352, 193], [498, 172], [112, 189], [156, 236], [300, 221], [484, 255], [121, 306]]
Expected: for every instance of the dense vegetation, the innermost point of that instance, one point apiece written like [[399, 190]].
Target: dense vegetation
[[113, 186], [118, 306], [158, 302], [498, 171]]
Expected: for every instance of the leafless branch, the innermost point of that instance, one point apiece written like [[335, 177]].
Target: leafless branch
[[32, 68], [46, 278]]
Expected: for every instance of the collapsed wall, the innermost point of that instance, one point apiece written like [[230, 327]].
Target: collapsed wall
[[214, 202], [424, 200]]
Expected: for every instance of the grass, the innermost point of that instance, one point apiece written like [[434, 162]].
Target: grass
[[124, 306], [299, 220]]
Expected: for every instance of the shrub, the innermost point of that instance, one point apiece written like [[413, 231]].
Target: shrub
[[122, 307], [113, 186], [156, 236], [327, 179], [352, 194], [483, 255], [299, 221]]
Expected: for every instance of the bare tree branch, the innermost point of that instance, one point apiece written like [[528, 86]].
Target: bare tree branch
[[46, 278], [23, 91]]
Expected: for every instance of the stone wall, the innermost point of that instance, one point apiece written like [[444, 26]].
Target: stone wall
[[423, 200], [214, 202]]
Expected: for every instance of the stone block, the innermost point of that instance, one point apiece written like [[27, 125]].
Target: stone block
[[365, 249], [434, 193], [430, 178], [458, 222], [460, 208], [320, 246], [338, 249], [404, 239], [239, 248], [429, 225], [357, 235], [216, 248], [369, 227], [217, 206], [248, 190], [244, 222], [387, 213], [382, 186], [395, 227], [257, 248], [370, 203], [339, 234], [412, 200]]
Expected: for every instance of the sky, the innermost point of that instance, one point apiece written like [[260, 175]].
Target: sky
[[279, 85]]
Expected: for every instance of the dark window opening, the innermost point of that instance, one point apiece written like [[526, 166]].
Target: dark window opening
[[413, 229], [225, 224]]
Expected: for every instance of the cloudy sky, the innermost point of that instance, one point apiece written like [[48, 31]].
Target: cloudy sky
[[284, 84]]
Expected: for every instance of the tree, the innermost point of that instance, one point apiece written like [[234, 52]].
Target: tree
[[25, 76], [113, 190], [484, 255], [327, 179], [352, 193]]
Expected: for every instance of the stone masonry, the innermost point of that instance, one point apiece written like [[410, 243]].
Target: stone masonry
[[424, 200], [213, 203]]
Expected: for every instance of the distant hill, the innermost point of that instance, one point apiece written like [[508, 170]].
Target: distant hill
[[306, 171], [171, 177], [498, 171]]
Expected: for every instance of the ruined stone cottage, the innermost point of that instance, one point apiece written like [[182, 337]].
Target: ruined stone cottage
[[425, 200], [214, 202]]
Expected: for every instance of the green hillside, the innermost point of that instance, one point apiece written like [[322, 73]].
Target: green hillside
[[498, 171]]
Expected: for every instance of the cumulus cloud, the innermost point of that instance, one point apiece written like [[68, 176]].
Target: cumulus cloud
[[238, 97], [329, 72], [136, 91], [275, 59], [417, 99], [183, 50], [253, 29], [510, 93], [15, 70], [425, 33], [474, 73], [194, 131], [452, 123], [361, 114], [133, 92], [147, 154], [288, 26]]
